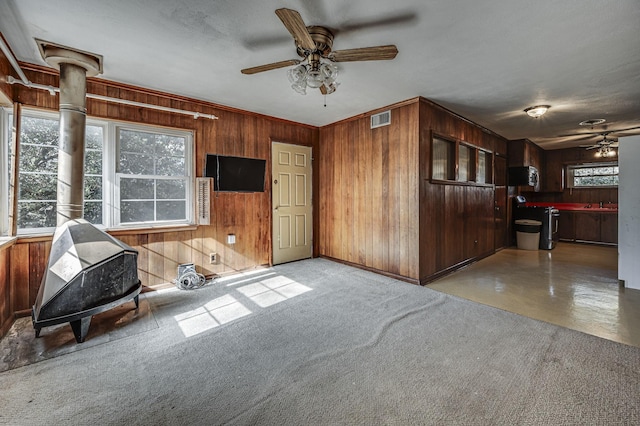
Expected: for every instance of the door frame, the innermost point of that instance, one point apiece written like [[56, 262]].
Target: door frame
[[314, 191]]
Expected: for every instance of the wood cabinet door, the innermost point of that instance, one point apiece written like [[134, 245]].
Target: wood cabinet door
[[587, 226], [609, 228], [567, 226]]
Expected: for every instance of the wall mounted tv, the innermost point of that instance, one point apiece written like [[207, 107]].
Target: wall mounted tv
[[235, 174]]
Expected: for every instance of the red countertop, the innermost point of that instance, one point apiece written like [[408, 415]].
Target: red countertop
[[579, 207]]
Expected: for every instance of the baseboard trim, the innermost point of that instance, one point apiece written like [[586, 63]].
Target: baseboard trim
[[451, 269], [377, 271]]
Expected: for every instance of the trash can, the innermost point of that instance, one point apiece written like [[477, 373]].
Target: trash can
[[528, 234]]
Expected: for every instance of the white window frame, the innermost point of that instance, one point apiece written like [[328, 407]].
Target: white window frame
[[5, 139], [572, 167], [110, 187]]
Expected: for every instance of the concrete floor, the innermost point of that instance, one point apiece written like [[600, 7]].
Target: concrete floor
[[573, 286]]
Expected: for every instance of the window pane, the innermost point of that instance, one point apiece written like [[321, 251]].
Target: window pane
[[481, 176], [93, 137], [171, 189], [93, 212], [93, 187], [171, 210], [170, 146], [93, 162], [135, 164], [36, 214], [136, 189], [442, 161], [171, 166], [463, 163], [132, 141], [44, 131], [37, 187], [136, 211], [37, 158]]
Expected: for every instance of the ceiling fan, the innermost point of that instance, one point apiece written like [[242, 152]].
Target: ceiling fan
[[609, 140], [313, 44]]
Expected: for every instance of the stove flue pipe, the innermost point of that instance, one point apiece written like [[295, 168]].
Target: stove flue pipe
[[73, 114], [74, 67]]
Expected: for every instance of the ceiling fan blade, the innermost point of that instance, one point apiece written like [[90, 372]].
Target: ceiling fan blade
[[585, 134], [624, 130], [294, 23], [614, 145], [592, 147], [376, 53], [268, 67], [403, 18]]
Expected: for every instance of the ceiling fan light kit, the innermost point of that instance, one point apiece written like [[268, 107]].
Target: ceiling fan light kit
[[537, 111], [313, 44], [605, 151]]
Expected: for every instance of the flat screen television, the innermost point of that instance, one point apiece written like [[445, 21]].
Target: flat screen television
[[235, 174]]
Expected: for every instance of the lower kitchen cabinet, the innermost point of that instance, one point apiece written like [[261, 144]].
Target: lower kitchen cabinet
[[609, 228], [586, 226], [567, 226]]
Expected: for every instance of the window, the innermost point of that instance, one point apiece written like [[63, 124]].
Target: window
[[134, 175], [592, 175], [152, 176], [38, 170], [471, 166]]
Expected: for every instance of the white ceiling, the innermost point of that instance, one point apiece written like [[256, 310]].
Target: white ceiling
[[485, 60]]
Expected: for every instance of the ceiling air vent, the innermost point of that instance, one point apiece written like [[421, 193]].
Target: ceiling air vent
[[382, 119]]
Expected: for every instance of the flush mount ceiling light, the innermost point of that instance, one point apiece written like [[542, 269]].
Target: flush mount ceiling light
[[537, 111], [592, 122]]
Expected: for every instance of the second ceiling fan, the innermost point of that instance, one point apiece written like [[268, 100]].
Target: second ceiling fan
[[313, 44]]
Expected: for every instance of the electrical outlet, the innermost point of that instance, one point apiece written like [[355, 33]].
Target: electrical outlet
[[213, 258], [231, 239]]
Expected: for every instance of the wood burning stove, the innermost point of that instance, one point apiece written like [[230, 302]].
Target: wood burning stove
[[89, 272]]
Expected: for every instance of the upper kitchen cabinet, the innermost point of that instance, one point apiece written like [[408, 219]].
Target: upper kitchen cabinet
[[553, 178], [523, 152]]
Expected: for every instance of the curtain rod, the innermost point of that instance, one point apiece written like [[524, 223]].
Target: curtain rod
[[52, 90]]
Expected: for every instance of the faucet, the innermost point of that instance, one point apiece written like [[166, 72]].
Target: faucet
[[601, 204]]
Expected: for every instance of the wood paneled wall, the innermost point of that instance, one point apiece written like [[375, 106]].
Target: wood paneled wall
[[6, 308], [368, 193], [378, 208], [247, 215], [457, 223]]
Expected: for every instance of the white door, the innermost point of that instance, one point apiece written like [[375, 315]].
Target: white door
[[291, 202]]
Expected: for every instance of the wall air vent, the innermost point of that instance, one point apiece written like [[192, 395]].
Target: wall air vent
[[203, 200], [382, 119]]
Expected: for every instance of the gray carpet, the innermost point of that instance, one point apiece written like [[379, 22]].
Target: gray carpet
[[320, 343]]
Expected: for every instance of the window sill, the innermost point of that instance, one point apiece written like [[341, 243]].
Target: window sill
[[6, 242], [34, 238], [151, 229], [460, 183]]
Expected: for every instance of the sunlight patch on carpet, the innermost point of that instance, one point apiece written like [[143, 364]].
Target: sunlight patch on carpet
[[270, 290], [214, 313]]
